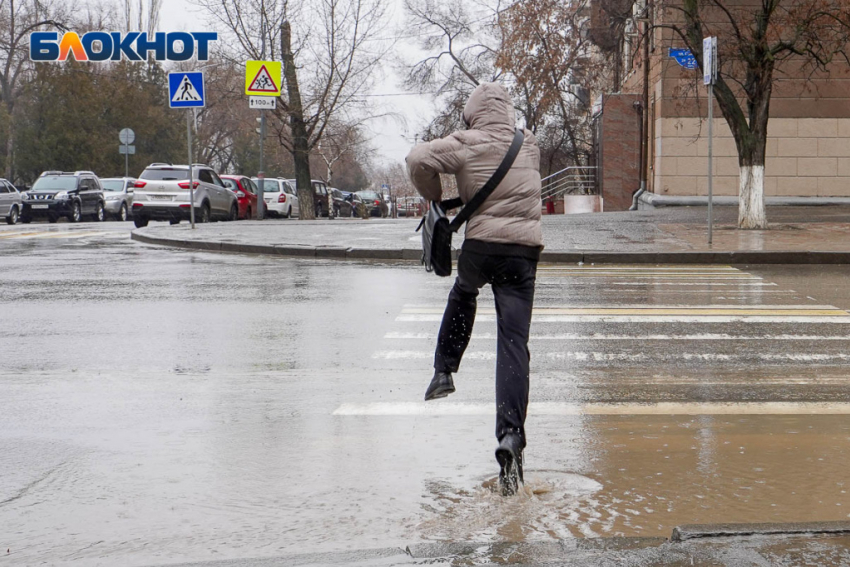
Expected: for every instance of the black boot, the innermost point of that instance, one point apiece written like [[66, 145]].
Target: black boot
[[441, 386], [509, 455]]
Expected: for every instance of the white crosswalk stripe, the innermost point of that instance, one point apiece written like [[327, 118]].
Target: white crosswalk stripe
[[724, 332]]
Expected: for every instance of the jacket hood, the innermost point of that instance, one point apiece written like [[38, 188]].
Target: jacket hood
[[489, 105]]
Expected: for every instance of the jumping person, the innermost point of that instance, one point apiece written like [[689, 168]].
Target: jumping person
[[502, 245]]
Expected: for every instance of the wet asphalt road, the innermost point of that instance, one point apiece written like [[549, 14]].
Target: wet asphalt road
[[164, 406]]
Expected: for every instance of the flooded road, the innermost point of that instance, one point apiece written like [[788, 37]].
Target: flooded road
[[163, 406]]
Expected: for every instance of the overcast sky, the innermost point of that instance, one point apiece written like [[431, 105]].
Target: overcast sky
[[391, 139]]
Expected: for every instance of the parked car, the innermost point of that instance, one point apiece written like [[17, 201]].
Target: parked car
[[10, 202], [409, 206], [343, 203], [162, 193], [246, 194], [55, 194], [280, 197], [118, 196], [320, 196], [375, 204]]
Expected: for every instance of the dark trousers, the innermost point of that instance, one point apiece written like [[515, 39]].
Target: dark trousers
[[512, 279]]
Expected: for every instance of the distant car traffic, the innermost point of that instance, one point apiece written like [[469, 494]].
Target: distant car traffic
[[10, 202], [57, 194], [280, 197], [374, 202], [162, 193], [246, 194], [118, 196]]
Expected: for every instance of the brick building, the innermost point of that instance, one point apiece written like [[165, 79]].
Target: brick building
[[808, 146]]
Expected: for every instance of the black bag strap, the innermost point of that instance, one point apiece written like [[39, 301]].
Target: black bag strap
[[482, 194]]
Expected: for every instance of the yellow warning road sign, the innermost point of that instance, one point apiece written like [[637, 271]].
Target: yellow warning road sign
[[262, 78]]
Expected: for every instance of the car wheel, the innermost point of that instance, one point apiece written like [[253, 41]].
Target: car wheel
[[173, 221], [248, 214], [204, 217], [288, 213], [122, 212], [140, 222], [318, 211], [234, 213], [98, 213], [13, 216], [76, 214]]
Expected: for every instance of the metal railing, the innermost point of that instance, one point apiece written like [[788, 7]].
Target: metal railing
[[573, 180]]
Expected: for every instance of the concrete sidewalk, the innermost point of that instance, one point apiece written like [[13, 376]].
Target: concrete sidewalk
[[797, 235]]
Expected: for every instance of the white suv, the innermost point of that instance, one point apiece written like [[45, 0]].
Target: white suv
[[162, 193]]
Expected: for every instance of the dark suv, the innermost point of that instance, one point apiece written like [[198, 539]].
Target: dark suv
[[56, 194]]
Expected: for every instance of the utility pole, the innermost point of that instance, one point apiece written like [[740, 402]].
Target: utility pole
[[261, 175], [709, 75], [191, 183]]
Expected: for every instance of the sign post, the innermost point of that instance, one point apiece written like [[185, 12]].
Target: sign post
[[186, 90], [126, 137], [709, 76], [262, 85]]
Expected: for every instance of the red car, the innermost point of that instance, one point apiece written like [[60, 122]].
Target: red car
[[246, 194]]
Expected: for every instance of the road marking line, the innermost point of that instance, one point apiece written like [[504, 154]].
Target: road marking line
[[603, 337], [638, 308], [442, 408], [434, 318], [19, 235], [707, 284], [71, 234], [581, 356], [744, 310]]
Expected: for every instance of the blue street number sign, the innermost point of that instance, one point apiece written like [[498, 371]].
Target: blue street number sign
[[684, 57], [186, 90]]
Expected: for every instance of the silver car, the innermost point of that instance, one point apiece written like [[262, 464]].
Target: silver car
[[10, 202], [118, 196], [162, 193]]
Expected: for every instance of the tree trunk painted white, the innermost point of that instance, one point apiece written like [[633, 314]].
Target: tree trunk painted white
[[751, 213]]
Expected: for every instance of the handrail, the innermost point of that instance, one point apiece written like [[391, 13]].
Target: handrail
[[567, 169]]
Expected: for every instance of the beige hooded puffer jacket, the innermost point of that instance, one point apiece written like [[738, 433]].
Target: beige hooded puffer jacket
[[511, 215]]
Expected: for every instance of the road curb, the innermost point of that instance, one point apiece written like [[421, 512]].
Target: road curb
[[695, 531], [547, 256]]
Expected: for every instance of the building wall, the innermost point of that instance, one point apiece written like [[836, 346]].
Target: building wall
[[619, 170], [805, 157], [808, 147]]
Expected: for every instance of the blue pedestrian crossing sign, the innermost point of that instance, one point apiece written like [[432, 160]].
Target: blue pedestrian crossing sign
[[186, 90]]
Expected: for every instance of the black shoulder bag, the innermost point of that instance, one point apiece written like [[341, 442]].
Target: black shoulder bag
[[437, 230]]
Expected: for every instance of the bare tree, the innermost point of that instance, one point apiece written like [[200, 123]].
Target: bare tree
[[17, 20], [757, 42], [545, 49], [461, 41], [330, 60]]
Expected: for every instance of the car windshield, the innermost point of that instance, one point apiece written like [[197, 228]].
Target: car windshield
[[166, 173], [55, 182], [230, 184], [112, 184], [368, 194], [269, 185]]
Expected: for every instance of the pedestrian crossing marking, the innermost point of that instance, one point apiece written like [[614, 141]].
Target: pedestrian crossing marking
[[595, 356], [706, 311], [395, 336], [433, 318], [443, 408]]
